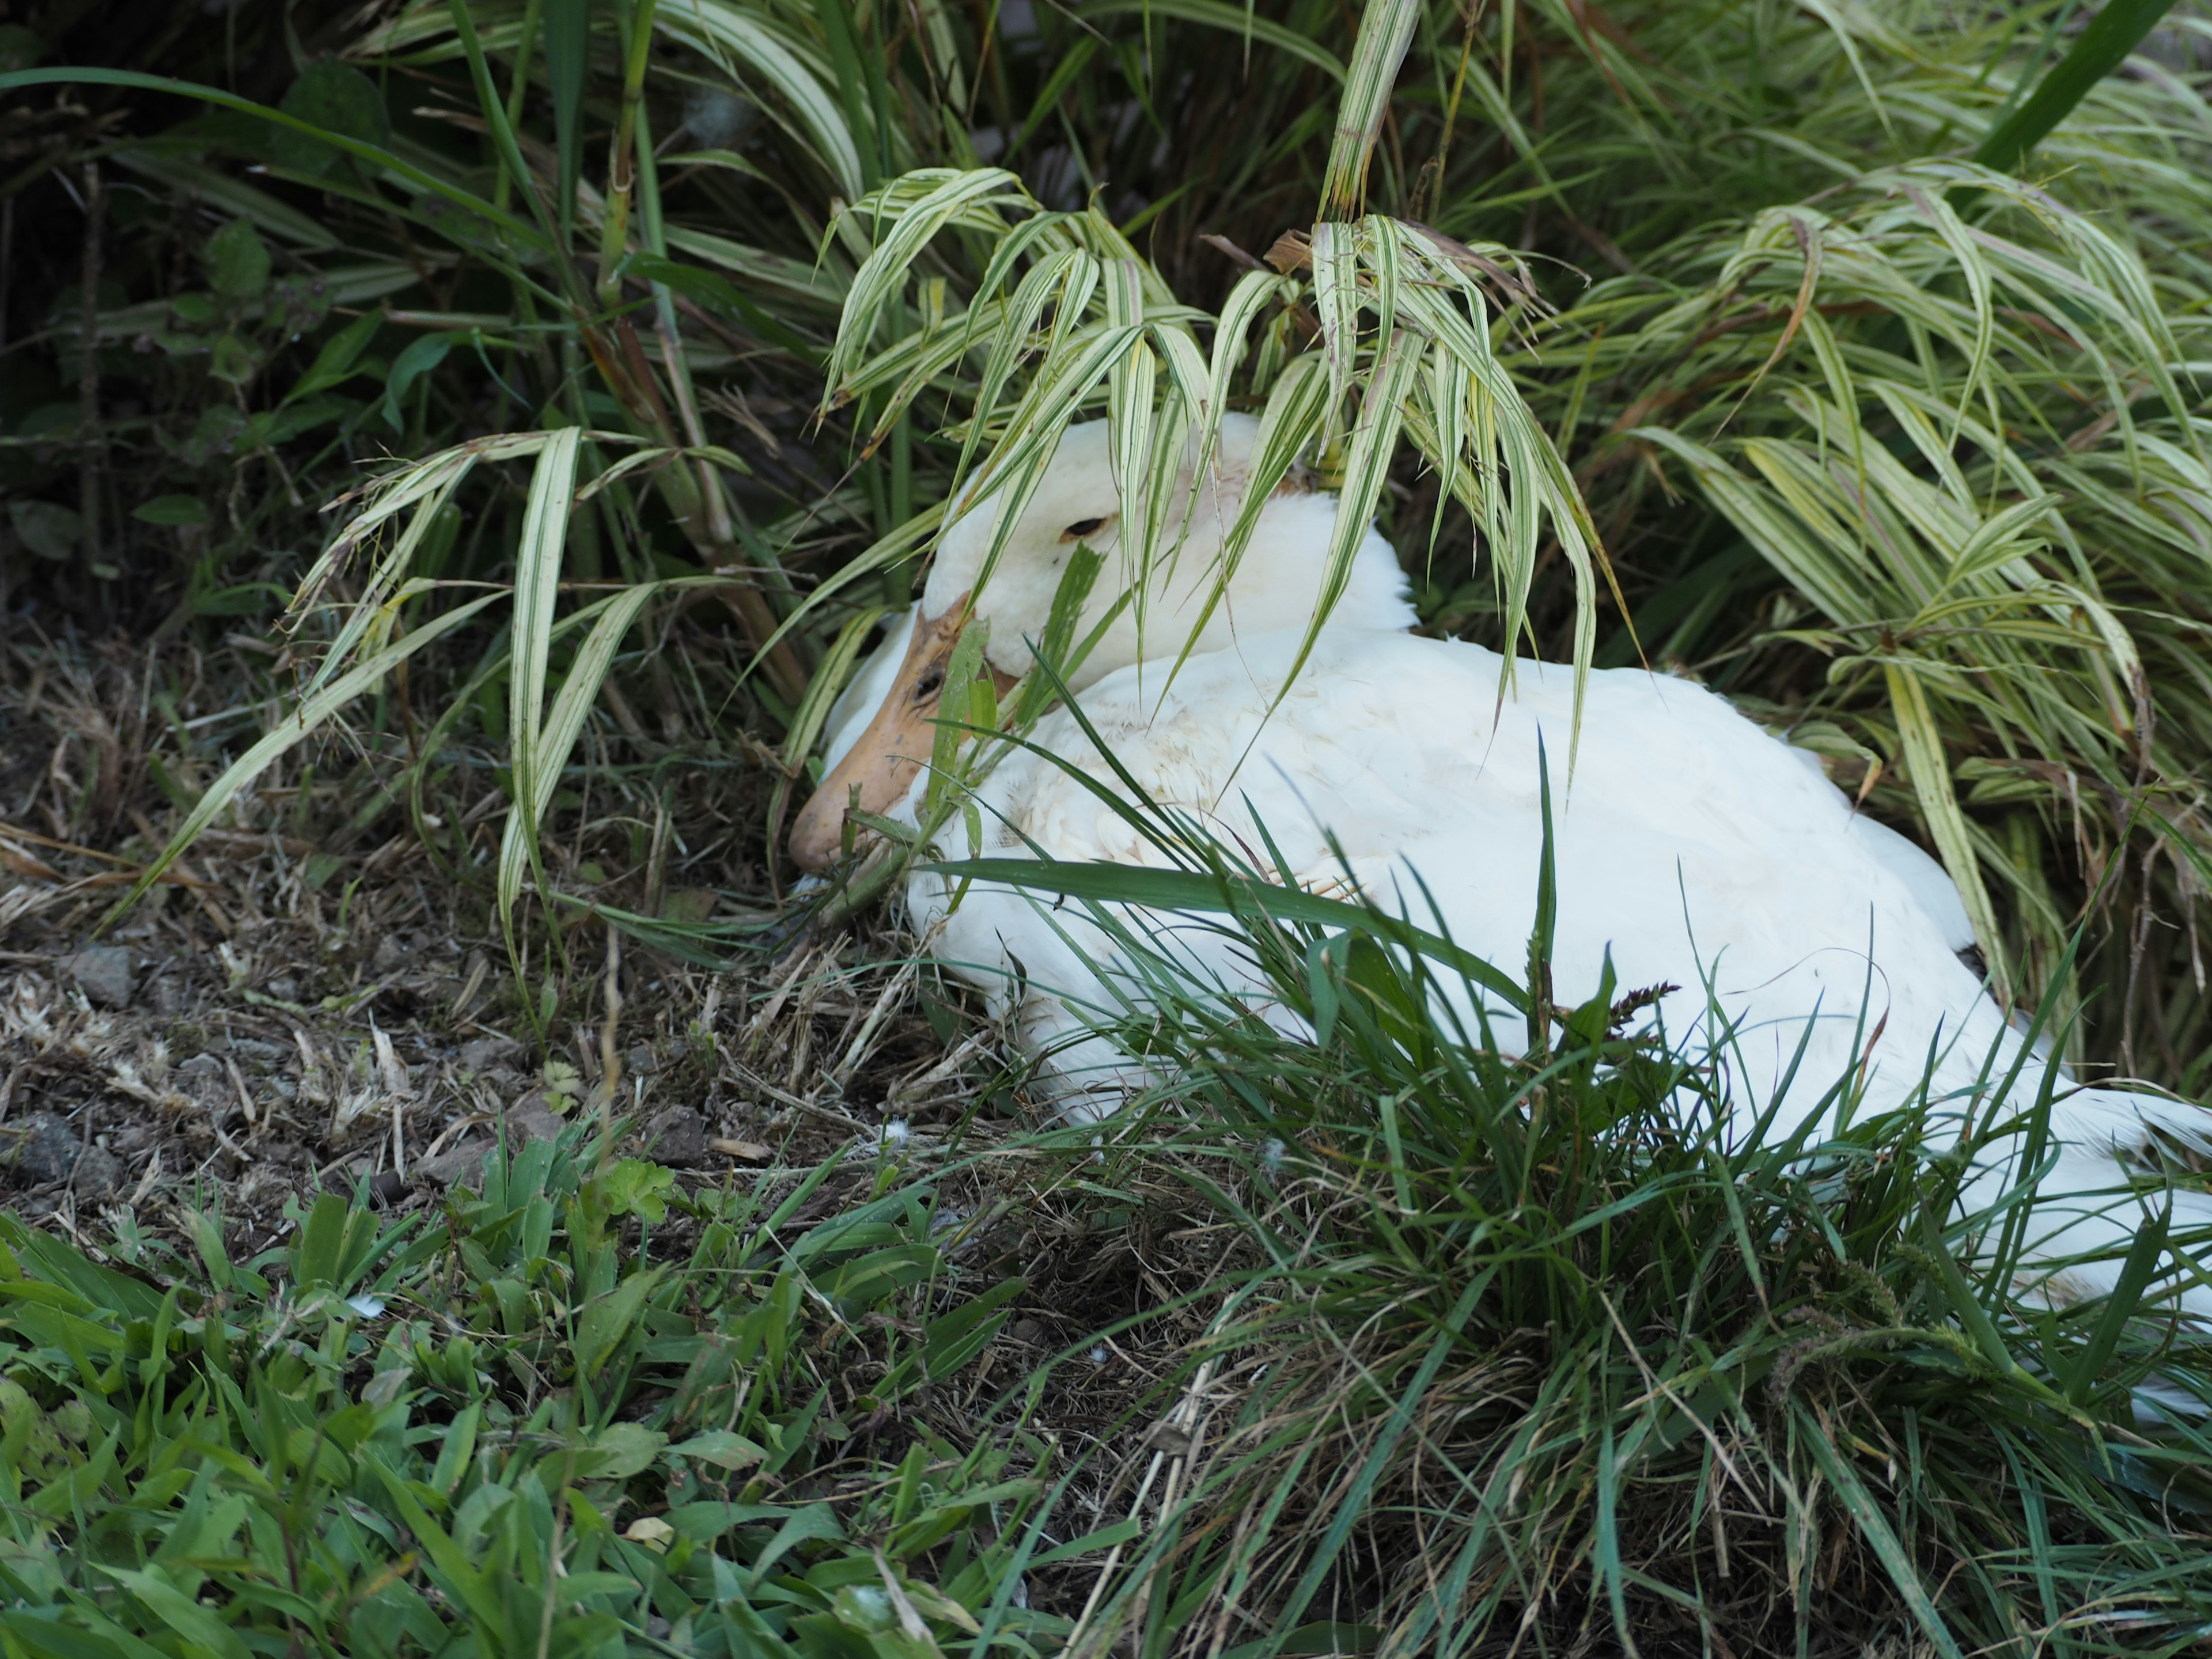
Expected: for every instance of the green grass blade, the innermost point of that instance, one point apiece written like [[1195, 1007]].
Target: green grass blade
[[2145, 1257], [1874, 1526], [1542, 935], [1183, 890], [1931, 782], [567, 58], [2101, 47], [754, 46], [1386, 29], [1234, 20], [1397, 371], [836, 17], [510, 153]]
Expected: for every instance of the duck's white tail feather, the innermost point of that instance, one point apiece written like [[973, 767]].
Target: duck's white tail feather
[[2103, 1190], [2128, 1120]]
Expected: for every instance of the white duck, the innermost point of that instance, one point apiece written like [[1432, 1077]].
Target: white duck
[[1691, 845]]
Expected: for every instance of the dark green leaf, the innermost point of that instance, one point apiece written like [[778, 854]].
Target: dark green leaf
[[417, 360], [46, 528], [175, 510], [237, 261], [2102, 46], [331, 97]]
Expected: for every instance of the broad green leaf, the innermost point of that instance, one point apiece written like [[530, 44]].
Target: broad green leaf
[[334, 97], [171, 511]]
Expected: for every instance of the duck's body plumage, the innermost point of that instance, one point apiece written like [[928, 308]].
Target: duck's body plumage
[[1692, 847], [1687, 838]]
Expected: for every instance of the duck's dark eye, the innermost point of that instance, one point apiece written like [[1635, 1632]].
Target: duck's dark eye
[[929, 685], [1082, 528]]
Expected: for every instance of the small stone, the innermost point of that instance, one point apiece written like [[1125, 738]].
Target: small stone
[[98, 1173], [46, 1149], [205, 1081], [529, 1119], [481, 1053], [678, 1135], [390, 953], [464, 1163], [103, 973], [640, 1060], [385, 1186]]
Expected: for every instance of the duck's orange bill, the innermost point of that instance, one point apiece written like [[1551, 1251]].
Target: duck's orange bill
[[896, 745]]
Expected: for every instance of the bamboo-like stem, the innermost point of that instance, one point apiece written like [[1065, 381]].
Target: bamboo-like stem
[[87, 387], [622, 157]]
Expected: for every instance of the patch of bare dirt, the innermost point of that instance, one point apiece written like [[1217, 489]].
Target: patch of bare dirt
[[312, 998]]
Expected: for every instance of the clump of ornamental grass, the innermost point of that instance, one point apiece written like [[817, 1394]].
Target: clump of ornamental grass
[[1529, 1352]]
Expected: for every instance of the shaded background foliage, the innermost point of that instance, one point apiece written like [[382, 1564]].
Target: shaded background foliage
[[1738, 269]]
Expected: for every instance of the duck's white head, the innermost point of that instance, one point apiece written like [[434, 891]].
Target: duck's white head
[[1275, 585]]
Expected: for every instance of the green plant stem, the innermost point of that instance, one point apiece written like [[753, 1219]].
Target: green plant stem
[[88, 389], [510, 153], [518, 88]]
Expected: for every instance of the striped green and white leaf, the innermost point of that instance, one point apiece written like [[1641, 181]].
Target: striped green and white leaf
[[1944, 493], [1077, 320]]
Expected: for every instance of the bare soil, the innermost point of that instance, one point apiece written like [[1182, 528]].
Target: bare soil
[[311, 1000]]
